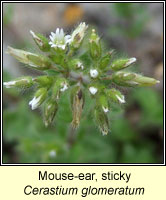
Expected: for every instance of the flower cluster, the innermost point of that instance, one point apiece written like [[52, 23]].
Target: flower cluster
[[65, 69]]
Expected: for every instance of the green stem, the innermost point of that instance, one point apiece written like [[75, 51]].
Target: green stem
[[71, 137]]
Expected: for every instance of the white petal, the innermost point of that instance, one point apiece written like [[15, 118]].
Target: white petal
[[130, 61], [93, 90], [80, 65], [53, 45], [105, 109], [53, 34], [93, 73], [9, 84], [32, 33], [51, 38], [34, 103], [67, 39], [121, 99], [57, 31], [61, 34], [63, 46], [36, 37], [64, 87]]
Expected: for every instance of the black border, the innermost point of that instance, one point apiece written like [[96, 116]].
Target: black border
[[83, 164]]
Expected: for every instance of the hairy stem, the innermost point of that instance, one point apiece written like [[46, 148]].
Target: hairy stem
[[71, 137]]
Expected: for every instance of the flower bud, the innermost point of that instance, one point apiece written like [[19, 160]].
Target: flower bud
[[78, 35], [50, 109], [77, 102], [103, 102], [59, 86], [93, 90], [94, 73], [23, 82], [101, 120], [105, 60], [52, 153], [122, 63], [38, 62], [95, 46], [115, 95], [38, 98], [132, 79], [44, 81], [145, 81], [76, 64], [124, 79], [41, 41]]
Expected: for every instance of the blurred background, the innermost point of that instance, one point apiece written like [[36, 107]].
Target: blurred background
[[132, 29]]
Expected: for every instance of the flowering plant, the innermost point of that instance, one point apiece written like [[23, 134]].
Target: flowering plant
[[65, 68]]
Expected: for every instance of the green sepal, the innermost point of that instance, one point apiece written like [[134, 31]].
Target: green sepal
[[41, 41], [77, 104], [95, 46], [39, 98], [44, 81], [50, 110], [75, 64], [105, 60], [120, 64], [58, 87], [22, 82], [102, 101], [145, 81], [132, 79], [101, 120], [115, 95], [39, 62]]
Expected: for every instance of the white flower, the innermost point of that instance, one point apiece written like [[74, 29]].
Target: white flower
[[93, 90], [105, 109], [35, 102], [121, 99], [78, 33], [94, 73], [64, 87], [52, 153], [80, 65], [130, 61], [59, 39], [9, 84]]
